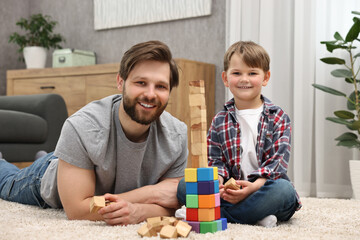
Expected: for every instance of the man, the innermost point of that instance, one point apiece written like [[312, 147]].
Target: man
[[124, 147]]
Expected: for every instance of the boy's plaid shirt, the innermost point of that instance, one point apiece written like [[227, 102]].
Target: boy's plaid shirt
[[272, 148]]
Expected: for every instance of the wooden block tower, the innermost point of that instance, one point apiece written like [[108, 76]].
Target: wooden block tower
[[202, 184]]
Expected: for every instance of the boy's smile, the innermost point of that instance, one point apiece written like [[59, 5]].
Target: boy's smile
[[245, 82]]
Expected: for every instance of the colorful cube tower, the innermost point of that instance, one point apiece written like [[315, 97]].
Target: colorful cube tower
[[203, 200]]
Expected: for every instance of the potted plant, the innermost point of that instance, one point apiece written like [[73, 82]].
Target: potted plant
[[349, 72], [37, 38]]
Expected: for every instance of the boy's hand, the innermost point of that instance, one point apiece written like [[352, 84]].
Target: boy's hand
[[247, 188], [235, 196]]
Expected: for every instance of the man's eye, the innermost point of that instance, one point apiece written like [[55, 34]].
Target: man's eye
[[140, 83], [162, 87]]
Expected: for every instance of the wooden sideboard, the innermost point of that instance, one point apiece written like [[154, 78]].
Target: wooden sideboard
[[81, 85]]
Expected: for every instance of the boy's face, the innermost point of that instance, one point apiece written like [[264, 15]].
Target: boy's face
[[146, 91], [245, 83]]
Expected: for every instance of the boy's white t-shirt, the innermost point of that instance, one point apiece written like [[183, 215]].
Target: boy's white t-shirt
[[248, 120]]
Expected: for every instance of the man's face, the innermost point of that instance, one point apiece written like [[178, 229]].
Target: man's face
[[146, 91]]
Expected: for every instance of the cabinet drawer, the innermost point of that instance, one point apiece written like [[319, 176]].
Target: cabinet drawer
[[72, 89]]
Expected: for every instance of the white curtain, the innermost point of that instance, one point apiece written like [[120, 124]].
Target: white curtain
[[291, 31]]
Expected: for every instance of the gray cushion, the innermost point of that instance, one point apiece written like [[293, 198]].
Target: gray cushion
[[21, 127]]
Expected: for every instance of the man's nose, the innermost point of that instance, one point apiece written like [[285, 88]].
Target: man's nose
[[150, 92]]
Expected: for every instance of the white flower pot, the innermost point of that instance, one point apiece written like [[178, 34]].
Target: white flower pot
[[35, 57], [355, 177]]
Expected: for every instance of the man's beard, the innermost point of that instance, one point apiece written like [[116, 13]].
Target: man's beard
[[146, 119]]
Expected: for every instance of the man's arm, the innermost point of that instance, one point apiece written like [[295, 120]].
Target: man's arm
[[77, 186]]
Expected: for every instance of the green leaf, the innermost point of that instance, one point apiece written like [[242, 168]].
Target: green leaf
[[344, 114], [349, 143], [355, 12], [347, 136], [329, 90], [355, 125], [338, 120], [350, 105], [357, 55], [354, 31], [333, 60], [331, 46], [338, 37], [342, 73]]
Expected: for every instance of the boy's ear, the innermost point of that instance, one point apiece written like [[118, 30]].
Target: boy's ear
[[120, 82], [224, 78], [266, 78]]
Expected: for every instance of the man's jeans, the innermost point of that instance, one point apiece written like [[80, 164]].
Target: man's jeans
[[276, 197], [23, 185]]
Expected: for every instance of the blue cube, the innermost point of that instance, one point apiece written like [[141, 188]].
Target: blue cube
[[205, 174], [216, 186], [224, 223], [191, 188]]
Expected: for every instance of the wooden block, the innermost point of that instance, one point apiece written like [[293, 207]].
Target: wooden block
[[183, 229], [231, 184], [168, 231], [172, 220], [145, 231], [155, 223], [197, 99], [197, 86], [96, 203], [206, 214], [198, 136]]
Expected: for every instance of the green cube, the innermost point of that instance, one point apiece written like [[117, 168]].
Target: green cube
[[192, 201], [210, 227]]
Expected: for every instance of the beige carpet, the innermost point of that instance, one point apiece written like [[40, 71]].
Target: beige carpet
[[318, 219]]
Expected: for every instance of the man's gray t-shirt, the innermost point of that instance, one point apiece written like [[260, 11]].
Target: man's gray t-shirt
[[93, 138]]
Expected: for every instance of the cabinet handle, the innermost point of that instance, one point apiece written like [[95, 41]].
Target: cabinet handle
[[47, 87]]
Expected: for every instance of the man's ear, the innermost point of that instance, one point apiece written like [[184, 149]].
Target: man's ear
[[120, 82], [224, 78], [266, 78]]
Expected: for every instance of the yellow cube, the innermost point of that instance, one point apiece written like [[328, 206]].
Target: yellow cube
[[216, 177], [190, 174]]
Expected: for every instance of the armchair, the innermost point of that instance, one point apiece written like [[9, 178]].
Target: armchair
[[29, 123]]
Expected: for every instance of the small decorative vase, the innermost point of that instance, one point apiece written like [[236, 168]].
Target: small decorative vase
[[35, 57], [355, 177]]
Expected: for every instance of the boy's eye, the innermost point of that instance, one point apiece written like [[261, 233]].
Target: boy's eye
[[253, 73], [236, 73]]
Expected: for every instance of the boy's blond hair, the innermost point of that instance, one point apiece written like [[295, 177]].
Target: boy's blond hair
[[251, 53]]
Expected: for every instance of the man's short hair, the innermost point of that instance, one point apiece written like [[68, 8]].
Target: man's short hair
[[151, 50], [251, 53]]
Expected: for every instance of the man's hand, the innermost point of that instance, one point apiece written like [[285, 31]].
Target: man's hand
[[119, 212], [165, 193]]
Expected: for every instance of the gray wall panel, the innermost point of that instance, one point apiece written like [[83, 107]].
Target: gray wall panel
[[200, 39]]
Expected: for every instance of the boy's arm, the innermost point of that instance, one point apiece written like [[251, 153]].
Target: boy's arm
[[276, 152], [215, 154]]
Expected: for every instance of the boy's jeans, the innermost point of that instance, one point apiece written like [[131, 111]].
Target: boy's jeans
[[276, 197], [23, 185]]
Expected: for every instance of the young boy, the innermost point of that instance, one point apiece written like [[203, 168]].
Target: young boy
[[249, 140]]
